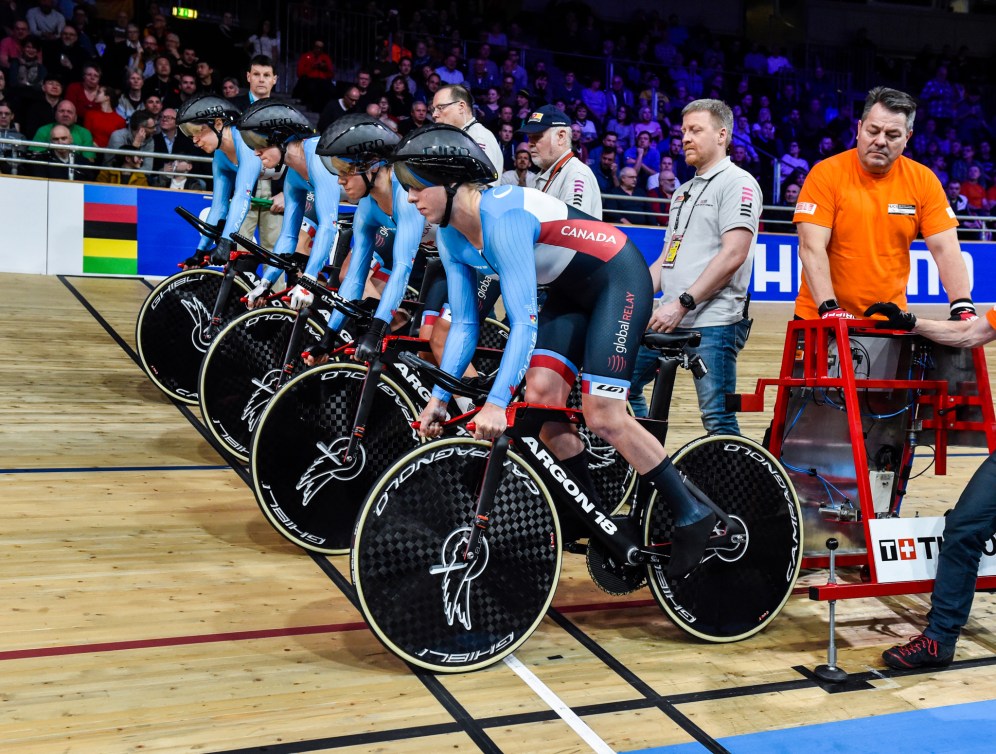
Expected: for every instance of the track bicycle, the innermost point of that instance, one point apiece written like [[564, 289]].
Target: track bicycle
[[257, 352], [181, 316], [326, 436], [457, 550]]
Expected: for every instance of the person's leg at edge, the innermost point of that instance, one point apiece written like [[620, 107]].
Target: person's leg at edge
[[966, 530]]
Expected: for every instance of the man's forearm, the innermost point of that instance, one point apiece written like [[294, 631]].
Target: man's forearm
[[816, 269], [957, 333], [946, 251]]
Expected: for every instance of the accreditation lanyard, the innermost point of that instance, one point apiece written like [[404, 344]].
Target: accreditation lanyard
[[674, 243], [556, 170]]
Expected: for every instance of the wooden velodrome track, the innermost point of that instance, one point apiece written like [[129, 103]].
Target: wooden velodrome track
[[150, 607]]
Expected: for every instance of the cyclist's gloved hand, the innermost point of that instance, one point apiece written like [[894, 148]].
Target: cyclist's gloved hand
[[219, 254], [368, 346], [318, 353], [199, 259], [963, 309], [257, 297], [896, 318], [301, 297]]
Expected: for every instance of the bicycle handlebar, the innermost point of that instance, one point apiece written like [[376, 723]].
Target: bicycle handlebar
[[211, 231], [274, 260], [473, 387]]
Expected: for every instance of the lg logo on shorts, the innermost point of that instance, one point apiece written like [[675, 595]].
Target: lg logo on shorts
[[607, 391]]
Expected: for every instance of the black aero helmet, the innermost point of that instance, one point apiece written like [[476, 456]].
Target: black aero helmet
[[355, 143], [270, 123], [440, 155], [205, 109]]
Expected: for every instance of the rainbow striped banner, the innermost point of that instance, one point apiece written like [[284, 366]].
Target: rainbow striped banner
[[110, 230]]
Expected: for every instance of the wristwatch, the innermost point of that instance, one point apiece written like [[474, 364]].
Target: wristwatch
[[827, 306], [686, 300]]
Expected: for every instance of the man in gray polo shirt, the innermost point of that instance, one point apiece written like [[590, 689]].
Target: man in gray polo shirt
[[563, 175], [704, 268]]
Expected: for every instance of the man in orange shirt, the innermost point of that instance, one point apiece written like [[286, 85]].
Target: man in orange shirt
[[858, 213]]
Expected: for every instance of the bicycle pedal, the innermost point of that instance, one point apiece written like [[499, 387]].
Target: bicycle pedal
[[578, 548]]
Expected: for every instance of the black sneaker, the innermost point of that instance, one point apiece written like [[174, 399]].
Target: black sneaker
[[918, 652]]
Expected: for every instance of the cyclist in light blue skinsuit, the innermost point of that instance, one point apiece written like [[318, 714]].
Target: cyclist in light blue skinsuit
[[354, 148], [207, 119], [599, 301], [280, 135]]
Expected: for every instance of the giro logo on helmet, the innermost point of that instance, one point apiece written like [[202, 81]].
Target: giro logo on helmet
[[445, 149], [273, 122], [367, 146]]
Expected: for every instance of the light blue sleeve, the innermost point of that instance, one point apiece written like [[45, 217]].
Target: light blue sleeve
[[461, 288], [245, 183], [351, 288], [409, 225], [509, 240], [223, 174], [326, 188], [295, 198]]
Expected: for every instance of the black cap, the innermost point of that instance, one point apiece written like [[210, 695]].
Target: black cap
[[548, 116]]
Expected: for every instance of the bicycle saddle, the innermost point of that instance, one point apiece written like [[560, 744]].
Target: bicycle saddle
[[658, 341]]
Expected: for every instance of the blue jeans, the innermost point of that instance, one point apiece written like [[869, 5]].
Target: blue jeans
[[966, 531], [719, 349]]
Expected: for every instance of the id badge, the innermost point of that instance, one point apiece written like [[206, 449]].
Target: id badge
[[672, 252]]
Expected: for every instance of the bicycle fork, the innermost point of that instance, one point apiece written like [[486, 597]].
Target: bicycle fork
[[223, 293], [486, 496], [293, 345], [363, 408]]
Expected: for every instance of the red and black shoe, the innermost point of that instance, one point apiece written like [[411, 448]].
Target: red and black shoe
[[918, 652]]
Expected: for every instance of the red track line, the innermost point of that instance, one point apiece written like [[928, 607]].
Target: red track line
[[595, 606], [332, 628], [114, 646]]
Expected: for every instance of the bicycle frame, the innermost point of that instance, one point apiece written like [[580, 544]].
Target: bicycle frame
[[619, 534]]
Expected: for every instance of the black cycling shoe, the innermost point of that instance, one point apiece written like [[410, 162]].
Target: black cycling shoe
[[688, 544]]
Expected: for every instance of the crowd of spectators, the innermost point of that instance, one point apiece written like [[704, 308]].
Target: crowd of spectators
[[623, 87], [68, 78]]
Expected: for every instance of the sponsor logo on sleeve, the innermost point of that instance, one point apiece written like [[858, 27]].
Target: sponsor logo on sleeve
[[805, 208], [590, 237], [950, 212], [746, 201]]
